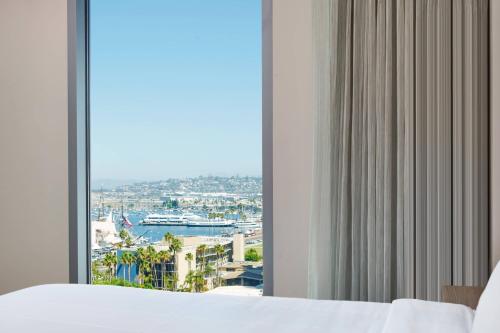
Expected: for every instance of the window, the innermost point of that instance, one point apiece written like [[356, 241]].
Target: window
[[176, 176]]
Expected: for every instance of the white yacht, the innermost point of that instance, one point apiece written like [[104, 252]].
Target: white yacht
[[247, 224], [210, 223], [189, 220], [167, 219]]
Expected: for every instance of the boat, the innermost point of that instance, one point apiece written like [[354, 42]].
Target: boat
[[210, 223], [247, 224], [103, 232], [167, 220], [189, 220]]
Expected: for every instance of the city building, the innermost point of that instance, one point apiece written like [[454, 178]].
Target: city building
[[179, 266]]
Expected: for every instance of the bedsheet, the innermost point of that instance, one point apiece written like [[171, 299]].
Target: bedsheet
[[87, 308]]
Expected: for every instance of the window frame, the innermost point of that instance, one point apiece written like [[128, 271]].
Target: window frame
[[79, 142]]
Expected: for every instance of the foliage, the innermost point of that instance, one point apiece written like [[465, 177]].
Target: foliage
[[212, 216], [97, 274], [118, 282], [127, 259], [124, 234], [170, 204], [152, 272], [252, 255], [128, 242], [219, 251], [110, 261]]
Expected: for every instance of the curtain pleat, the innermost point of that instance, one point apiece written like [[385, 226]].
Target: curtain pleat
[[408, 194], [400, 142], [420, 151], [400, 196]]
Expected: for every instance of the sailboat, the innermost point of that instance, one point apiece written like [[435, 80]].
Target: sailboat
[[103, 231], [125, 221]]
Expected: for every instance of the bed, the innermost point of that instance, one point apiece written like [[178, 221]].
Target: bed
[[85, 308]]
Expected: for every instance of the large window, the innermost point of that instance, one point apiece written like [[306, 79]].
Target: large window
[[176, 161]]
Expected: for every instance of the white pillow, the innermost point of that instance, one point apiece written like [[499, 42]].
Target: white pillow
[[487, 317]]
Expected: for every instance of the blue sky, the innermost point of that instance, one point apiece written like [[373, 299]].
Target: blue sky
[[175, 88]]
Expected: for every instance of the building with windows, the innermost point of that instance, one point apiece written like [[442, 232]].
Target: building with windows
[[203, 253], [248, 274]]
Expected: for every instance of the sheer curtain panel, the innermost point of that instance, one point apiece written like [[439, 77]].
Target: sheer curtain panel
[[400, 199]]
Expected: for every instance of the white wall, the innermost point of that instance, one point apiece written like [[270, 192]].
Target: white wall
[[33, 143], [293, 142]]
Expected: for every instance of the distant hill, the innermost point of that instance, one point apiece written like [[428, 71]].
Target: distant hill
[[107, 184], [201, 184]]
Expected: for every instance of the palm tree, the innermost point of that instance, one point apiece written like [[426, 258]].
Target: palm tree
[[153, 260], [142, 261], [128, 242], [200, 252], [219, 251], [114, 260], [189, 281], [175, 246], [110, 260], [127, 259], [189, 259], [123, 262], [199, 281], [124, 234], [168, 237], [208, 270], [164, 257], [107, 262], [132, 260]]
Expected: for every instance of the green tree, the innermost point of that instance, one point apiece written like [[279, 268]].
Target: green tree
[[153, 260], [143, 263], [124, 234], [199, 281], [127, 259], [252, 255], [209, 269], [175, 246], [110, 261], [164, 257], [168, 237], [200, 273], [128, 242], [189, 258], [189, 280], [200, 253], [219, 251]]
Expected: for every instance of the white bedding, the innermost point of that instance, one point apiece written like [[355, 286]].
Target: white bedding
[[411, 315], [84, 308]]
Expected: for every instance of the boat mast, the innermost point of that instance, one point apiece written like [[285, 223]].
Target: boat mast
[[100, 207]]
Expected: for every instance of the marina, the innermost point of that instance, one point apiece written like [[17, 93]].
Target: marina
[[178, 234], [105, 229]]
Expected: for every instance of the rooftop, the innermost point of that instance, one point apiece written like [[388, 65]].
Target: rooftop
[[236, 291]]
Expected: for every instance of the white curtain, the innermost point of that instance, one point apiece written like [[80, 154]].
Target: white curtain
[[400, 199]]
